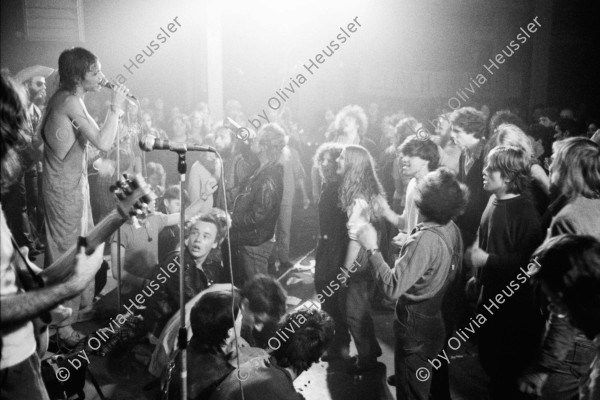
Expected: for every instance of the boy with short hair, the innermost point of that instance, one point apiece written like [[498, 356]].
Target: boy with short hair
[[508, 234]]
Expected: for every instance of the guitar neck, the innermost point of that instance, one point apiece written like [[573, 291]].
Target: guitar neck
[[62, 268]]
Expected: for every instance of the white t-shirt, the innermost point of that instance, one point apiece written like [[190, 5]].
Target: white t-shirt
[[18, 344], [411, 212], [357, 217]]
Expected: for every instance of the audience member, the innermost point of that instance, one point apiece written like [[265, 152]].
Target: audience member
[[422, 279], [274, 379], [509, 232], [256, 209]]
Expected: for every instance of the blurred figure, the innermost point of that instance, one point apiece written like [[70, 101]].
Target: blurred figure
[[294, 177], [257, 207], [216, 322], [566, 353], [331, 246], [569, 275], [469, 133], [548, 117], [159, 116], [274, 379]]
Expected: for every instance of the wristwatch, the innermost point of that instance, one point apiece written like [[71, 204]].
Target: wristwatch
[[370, 252]]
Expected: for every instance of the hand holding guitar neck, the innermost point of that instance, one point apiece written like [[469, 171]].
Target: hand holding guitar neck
[[85, 268], [77, 267]]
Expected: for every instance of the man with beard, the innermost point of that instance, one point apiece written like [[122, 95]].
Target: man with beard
[[22, 196]]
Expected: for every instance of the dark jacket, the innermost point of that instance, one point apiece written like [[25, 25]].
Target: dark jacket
[[206, 370], [256, 208], [468, 222], [333, 235], [165, 302]]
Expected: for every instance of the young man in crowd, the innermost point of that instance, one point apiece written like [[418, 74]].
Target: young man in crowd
[[419, 157], [262, 304], [140, 247], [570, 277], [204, 233], [216, 322], [469, 133], [256, 208], [510, 231], [274, 380]]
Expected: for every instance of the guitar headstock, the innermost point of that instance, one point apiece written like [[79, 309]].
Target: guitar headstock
[[134, 196]]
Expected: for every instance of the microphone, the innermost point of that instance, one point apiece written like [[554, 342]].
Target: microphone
[[109, 85], [242, 133], [149, 143]]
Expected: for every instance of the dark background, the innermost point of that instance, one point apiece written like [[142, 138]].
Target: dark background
[[400, 42]]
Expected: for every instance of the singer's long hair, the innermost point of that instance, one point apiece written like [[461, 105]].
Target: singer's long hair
[[360, 180], [73, 64]]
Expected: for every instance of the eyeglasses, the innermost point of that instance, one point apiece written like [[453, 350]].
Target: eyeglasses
[[40, 83]]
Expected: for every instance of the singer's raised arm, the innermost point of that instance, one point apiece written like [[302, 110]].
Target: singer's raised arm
[[102, 138]]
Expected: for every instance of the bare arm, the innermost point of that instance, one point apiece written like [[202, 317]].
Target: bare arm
[[80, 119], [114, 267], [21, 307], [539, 175], [199, 206]]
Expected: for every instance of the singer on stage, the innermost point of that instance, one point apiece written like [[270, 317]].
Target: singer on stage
[[67, 129]]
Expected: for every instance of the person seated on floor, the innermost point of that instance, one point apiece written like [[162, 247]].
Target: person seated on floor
[[274, 378], [262, 305], [216, 322], [204, 233], [569, 275], [139, 248]]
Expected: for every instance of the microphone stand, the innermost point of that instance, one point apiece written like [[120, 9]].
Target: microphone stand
[[119, 283], [182, 339]]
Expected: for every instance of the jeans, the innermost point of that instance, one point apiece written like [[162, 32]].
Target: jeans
[[419, 338], [23, 381], [334, 307], [249, 261], [356, 300], [564, 383]]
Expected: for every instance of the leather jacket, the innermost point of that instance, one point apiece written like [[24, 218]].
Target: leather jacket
[[256, 208], [163, 304]]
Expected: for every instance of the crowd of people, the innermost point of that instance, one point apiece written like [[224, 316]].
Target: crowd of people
[[444, 222]]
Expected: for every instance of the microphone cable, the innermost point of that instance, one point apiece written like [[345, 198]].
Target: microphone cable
[[233, 318]]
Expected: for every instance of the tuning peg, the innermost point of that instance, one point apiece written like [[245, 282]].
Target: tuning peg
[[135, 222]]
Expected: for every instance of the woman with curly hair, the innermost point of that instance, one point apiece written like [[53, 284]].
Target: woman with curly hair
[[423, 280], [361, 196]]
